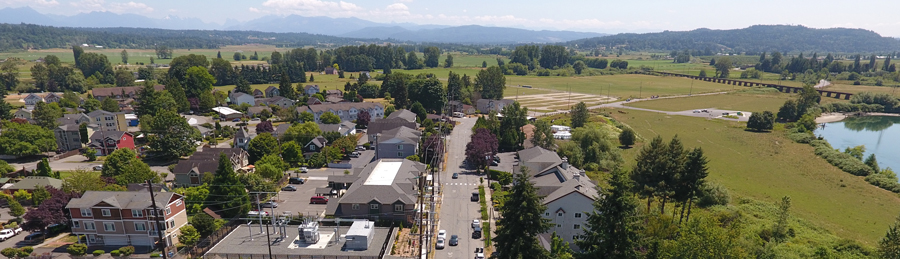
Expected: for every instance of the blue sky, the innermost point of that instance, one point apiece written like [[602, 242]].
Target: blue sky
[[577, 15]]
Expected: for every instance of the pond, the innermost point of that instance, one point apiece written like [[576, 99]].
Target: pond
[[880, 135]]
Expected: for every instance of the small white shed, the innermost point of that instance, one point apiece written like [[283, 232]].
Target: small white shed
[[360, 235]]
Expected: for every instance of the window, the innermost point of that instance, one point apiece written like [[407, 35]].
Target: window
[[577, 226], [400, 154], [547, 214], [373, 206], [355, 206], [575, 237], [398, 207], [89, 226], [76, 224], [558, 225], [86, 213], [170, 224], [400, 147], [137, 213], [178, 203], [105, 212], [109, 227], [168, 211], [140, 226], [577, 215], [559, 214]]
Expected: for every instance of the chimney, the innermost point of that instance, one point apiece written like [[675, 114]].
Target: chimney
[[565, 163], [576, 176]]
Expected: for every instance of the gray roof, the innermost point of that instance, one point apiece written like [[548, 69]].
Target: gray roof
[[114, 134], [400, 135], [121, 200], [204, 161], [31, 181], [555, 179], [403, 114], [243, 133], [380, 126], [340, 106], [258, 109], [202, 130], [318, 141], [270, 88], [281, 129], [401, 188], [343, 126], [96, 113], [71, 118], [238, 94], [307, 87], [539, 155]]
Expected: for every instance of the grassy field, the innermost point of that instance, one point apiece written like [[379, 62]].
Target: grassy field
[[767, 166], [732, 101], [623, 86]]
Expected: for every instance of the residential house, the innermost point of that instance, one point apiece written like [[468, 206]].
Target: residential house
[[314, 100], [31, 182], [378, 127], [23, 113], [272, 91], [331, 71], [345, 128], [204, 131], [457, 106], [279, 101], [228, 113], [398, 143], [106, 142], [190, 172], [121, 93], [280, 130], [242, 98], [315, 145], [242, 138], [486, 106], [76, 119], [52, 97], [258, 93], [568, 193], [119, 219], [403, 114], [311, 90], [109, 121], [385, 190], [346, 111], [334, 99], [33, 99], [254, 111], [68, 136], [334, 92]]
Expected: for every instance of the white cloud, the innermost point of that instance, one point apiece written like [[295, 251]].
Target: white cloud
[[403, 1], [33, 3], [312, 7], [116, 7]]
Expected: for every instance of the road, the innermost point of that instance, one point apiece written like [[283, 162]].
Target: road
[[457, 210]]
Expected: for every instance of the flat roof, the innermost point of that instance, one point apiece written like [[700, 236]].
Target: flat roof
[[383, 173], [225, 110], [361, 228], [238, 244]]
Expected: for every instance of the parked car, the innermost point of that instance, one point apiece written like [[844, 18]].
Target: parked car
[[236, 120], [254, 119], [440, 244], [442, 234], [255, 213], [304, 170], [696, 111], [476, 234], [354, 154], [98, 168], [290, 188], [475, 196], [296, 180], [318, 200], [269, 204], [476, 223], [360, 148], [479, 253], [7, 234], [455, 175], [454, 240], [34, 238]]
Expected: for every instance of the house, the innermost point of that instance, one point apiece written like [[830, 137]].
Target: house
[[228, 113], [334, 92], [346, 111], [280, 130], [121, 93], [315, 145], [190, 172], [204, 131], [76, 119], [311, 90], [258, 93], [385, 190], [33, 99], [279, 101], [314, 100], [378, 127], [272, 91], [23, 113], [242, 138], [109, 121], [568, 193], [242, 98], [254, 111], [457, 106], [68, 136], [331, 71], [486, 106], [31, 182], [107, 142], [398, 143], [128, 218], [345, 128], [403, 114], [334, 99], [52, 97]]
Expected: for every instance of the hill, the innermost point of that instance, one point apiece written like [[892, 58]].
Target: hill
[[101, 19], [757, 38], [471, 34]]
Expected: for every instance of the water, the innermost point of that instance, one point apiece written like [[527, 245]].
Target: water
[[880, 135]]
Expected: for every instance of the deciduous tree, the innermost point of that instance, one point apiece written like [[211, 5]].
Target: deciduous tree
[[189, 235], [483, 144], [263, 144], [173, 137], [491, 81], [45, 114], [124, 166], [543, 135], [579, 115], [25, 139], [50, 211], [763, 121], [110, 105]]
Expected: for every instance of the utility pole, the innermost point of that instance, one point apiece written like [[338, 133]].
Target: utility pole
[[641, 91], [157, 213]]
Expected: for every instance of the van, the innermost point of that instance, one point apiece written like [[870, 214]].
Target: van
[[318, 200], [475, 196], [458, 114], [34, 238]]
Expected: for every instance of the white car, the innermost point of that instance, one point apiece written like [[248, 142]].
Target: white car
[[479, 253], [440, 244], [475, 223], [442, 234]]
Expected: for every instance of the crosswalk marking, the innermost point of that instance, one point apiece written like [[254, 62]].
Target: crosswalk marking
[[460, 184]]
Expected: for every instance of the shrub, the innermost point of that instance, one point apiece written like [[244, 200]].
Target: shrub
[[28, 249], [126, 251], [9, 252], [154, 255], [115, 253], [844, 161], [98, 252], [713, 194], [804, 138], [77, 249]]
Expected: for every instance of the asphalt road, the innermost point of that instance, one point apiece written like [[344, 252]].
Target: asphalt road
[[457, 210]]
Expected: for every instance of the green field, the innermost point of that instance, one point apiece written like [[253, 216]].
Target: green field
[[623, 86], [767, 166], [732, 101]]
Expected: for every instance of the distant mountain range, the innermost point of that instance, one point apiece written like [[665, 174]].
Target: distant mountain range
[[343, 27]]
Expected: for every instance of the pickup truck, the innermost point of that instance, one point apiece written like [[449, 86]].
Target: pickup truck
[[8, 233]]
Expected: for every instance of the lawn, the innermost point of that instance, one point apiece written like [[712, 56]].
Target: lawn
[[731, 101], [767, 166], [621, 85]]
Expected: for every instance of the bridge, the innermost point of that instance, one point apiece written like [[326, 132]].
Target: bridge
[[781, 88]]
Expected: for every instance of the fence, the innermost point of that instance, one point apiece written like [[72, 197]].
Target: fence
[[66, 154], [206, 244], [387, 242]]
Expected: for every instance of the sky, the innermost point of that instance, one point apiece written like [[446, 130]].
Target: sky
[[576, 15]]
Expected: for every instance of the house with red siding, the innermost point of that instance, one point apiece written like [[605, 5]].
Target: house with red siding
[[109, 141], [128, 218]]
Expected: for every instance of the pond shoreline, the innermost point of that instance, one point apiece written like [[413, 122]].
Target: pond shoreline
[[838, 116]]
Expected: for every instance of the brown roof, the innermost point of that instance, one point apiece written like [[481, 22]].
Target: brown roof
[[129, 90], [205, 161], [380, 126]]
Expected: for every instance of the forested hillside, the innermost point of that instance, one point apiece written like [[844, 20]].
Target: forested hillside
[[25, 36], [757, 38]]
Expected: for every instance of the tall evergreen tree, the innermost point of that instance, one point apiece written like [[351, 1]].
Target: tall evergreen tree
[[227, 190], [177, 92], [219, 54], [287, 91], [400, 94], [454, 86], [242, 85], [521, 221], [889, 246], [646, 173], [887, 64], [612, 230], [675, 157], [691, 180]]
